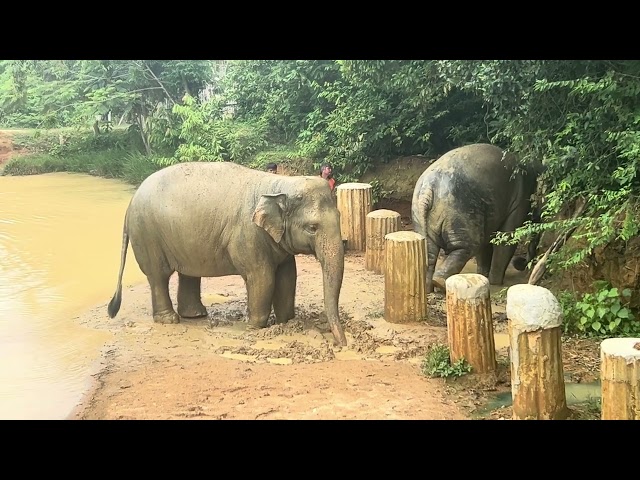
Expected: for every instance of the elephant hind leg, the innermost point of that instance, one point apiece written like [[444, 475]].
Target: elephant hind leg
[[502, 254], [154, 265], [189, 300], [483, 260], [284, 294], [163, 311], [452, 265]]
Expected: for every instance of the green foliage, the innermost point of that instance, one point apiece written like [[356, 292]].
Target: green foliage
[[577, 121], [204, 139], [580, 119], [437, 363], [378, 192], [601, 314]]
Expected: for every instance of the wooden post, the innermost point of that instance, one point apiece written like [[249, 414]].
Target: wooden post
[[405, 288], [378, 224], [354, 202], [469, 323], [537, 374], [620, 378]]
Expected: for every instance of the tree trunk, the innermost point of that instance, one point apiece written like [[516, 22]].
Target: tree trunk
[[354, 203], [535, 336], [405, 288], [378, 224], [469, 323], [620, 378]]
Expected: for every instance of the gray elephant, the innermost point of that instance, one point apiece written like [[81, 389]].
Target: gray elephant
[[211, 219], [461, 200]]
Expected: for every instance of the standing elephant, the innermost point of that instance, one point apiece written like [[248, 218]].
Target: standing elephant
[[204, 219], [461, 200]]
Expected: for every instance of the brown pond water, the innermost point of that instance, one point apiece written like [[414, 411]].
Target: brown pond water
[[60, 240]]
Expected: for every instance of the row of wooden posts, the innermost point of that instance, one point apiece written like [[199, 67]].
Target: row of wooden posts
[[533, 312]]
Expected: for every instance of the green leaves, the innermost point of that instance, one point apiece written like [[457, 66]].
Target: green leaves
[[605, 312]]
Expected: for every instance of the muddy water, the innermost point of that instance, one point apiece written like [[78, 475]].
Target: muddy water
[[60, 238]]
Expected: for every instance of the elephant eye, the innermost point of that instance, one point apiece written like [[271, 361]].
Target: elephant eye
[[312, 228]]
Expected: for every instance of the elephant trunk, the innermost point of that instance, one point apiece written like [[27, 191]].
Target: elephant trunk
[[331, 257]]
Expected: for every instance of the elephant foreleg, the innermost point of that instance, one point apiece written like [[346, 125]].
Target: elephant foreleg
[[260, 287], [284, 294], [163, 311], [189, 301], [483, 260]]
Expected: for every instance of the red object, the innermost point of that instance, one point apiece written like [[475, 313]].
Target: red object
[[332, 183]]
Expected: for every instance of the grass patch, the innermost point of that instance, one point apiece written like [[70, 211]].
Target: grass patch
[[589, 410], [106, 164], [437, 363], [137, 167]]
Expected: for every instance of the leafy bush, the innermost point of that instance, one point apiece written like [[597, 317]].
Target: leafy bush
[[603, 313], [217, 139]]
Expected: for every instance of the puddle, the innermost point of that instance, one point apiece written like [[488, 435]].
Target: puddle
[[575, 393], [268, 345], [501, 340], [224, 342], [211, 298], [312, 339], [347, 355], [239, 356], [281, 361], [387, 349]]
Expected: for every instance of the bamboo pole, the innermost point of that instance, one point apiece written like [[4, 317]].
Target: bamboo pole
[[620, 378], [378, 224], [354, 201], [537, 374]]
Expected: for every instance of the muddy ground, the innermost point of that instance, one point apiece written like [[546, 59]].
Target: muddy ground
[[214, 368]]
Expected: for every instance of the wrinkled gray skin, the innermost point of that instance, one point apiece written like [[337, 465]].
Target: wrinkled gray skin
[[458, 203], [206, 219]]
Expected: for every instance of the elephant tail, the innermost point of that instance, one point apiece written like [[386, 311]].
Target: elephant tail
[[114, 304], [421, 204]]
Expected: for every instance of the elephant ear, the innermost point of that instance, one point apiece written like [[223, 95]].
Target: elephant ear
[[269, 214]]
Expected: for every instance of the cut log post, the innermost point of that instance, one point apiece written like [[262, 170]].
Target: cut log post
[[405, 288], [535, 336], [620, 378], [378, 224], [354, 202], [469, 323]]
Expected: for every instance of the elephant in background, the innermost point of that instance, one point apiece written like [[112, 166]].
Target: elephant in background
[[461, 200], [211, 219]]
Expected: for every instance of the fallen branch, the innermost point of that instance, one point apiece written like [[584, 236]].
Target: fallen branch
[[541, 266]]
